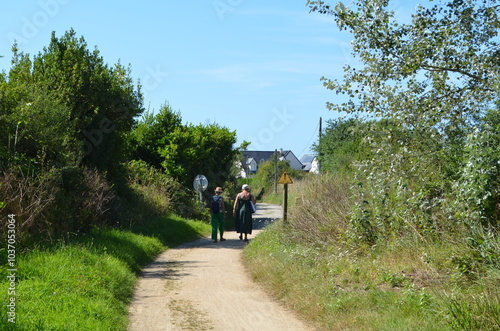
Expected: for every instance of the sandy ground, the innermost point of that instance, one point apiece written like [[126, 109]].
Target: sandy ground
[[203, 286]]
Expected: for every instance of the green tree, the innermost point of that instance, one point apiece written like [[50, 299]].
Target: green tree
[[85, 107], [201, 149], [341, 145], [437, 69], [64, 119], [184, 151], [437, 72], [153, 133], [433, 78]]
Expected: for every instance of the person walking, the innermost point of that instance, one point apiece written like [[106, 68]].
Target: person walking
[[242, 212], [218, 215]]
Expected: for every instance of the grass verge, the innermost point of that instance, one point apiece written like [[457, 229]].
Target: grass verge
[[404, 286], [87, 284], [336, 290]]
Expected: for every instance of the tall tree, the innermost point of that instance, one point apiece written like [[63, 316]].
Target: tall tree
[[87, 105], [433, 78], [439, 69], [183, 151], [200, 149], [153, 133]]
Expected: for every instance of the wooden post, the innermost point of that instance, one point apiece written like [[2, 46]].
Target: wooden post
[[285, 179], [285, 202]]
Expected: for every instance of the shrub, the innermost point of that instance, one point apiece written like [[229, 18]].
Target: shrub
[[269, 172], [153, 193], [55, 203], [29, 197], [321, 209]]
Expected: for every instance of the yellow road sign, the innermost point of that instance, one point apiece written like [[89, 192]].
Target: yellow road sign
[[285, 178]]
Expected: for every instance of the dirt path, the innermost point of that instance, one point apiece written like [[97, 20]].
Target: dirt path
[[203, 286]]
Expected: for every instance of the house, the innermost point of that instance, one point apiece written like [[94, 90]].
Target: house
[[311, 163], [253, 159]]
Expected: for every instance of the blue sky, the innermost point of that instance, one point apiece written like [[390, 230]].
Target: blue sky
[[251, 66]]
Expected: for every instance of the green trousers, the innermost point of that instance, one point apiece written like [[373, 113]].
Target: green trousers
[[217, 224]]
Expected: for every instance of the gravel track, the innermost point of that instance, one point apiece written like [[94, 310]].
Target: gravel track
[[203, 286]]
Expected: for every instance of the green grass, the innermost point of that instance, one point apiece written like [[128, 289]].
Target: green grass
[[87, 284], [174, 230], [392, 287], [404, 282]]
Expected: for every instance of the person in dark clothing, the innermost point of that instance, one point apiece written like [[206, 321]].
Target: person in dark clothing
[[218, 215], [242, 212]]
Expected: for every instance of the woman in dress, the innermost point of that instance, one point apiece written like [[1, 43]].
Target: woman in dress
[[242, 212]]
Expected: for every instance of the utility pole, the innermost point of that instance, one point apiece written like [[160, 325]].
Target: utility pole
[[275, 171], [320, 133]]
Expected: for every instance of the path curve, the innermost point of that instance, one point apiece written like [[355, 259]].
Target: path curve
[[203, 286]]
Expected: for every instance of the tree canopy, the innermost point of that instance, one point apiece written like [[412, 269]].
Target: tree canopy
[[69, 105], [441, 68], [433, 78], [183, 151], [71, 135]]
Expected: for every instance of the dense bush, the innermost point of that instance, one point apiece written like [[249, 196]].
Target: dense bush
[[354, 281], [426, 160], [74, 154]]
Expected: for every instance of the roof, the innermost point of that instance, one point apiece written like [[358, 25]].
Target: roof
[[308, 158], [307, 161], [261, 156], [258, 155]]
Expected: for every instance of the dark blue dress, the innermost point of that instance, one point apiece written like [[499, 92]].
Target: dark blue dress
[[244, 216]]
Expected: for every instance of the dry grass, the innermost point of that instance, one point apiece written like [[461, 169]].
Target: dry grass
[[320, 209], [55, 202], [338, 289], [27, 197], [338, 284], [188, 317]]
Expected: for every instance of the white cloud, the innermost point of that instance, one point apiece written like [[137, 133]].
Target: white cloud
[[266, 73]]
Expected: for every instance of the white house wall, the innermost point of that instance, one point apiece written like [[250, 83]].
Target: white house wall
[[314, 166]]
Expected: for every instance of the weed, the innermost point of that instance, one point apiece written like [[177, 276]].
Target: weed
[[479, 311], [396, 284]]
